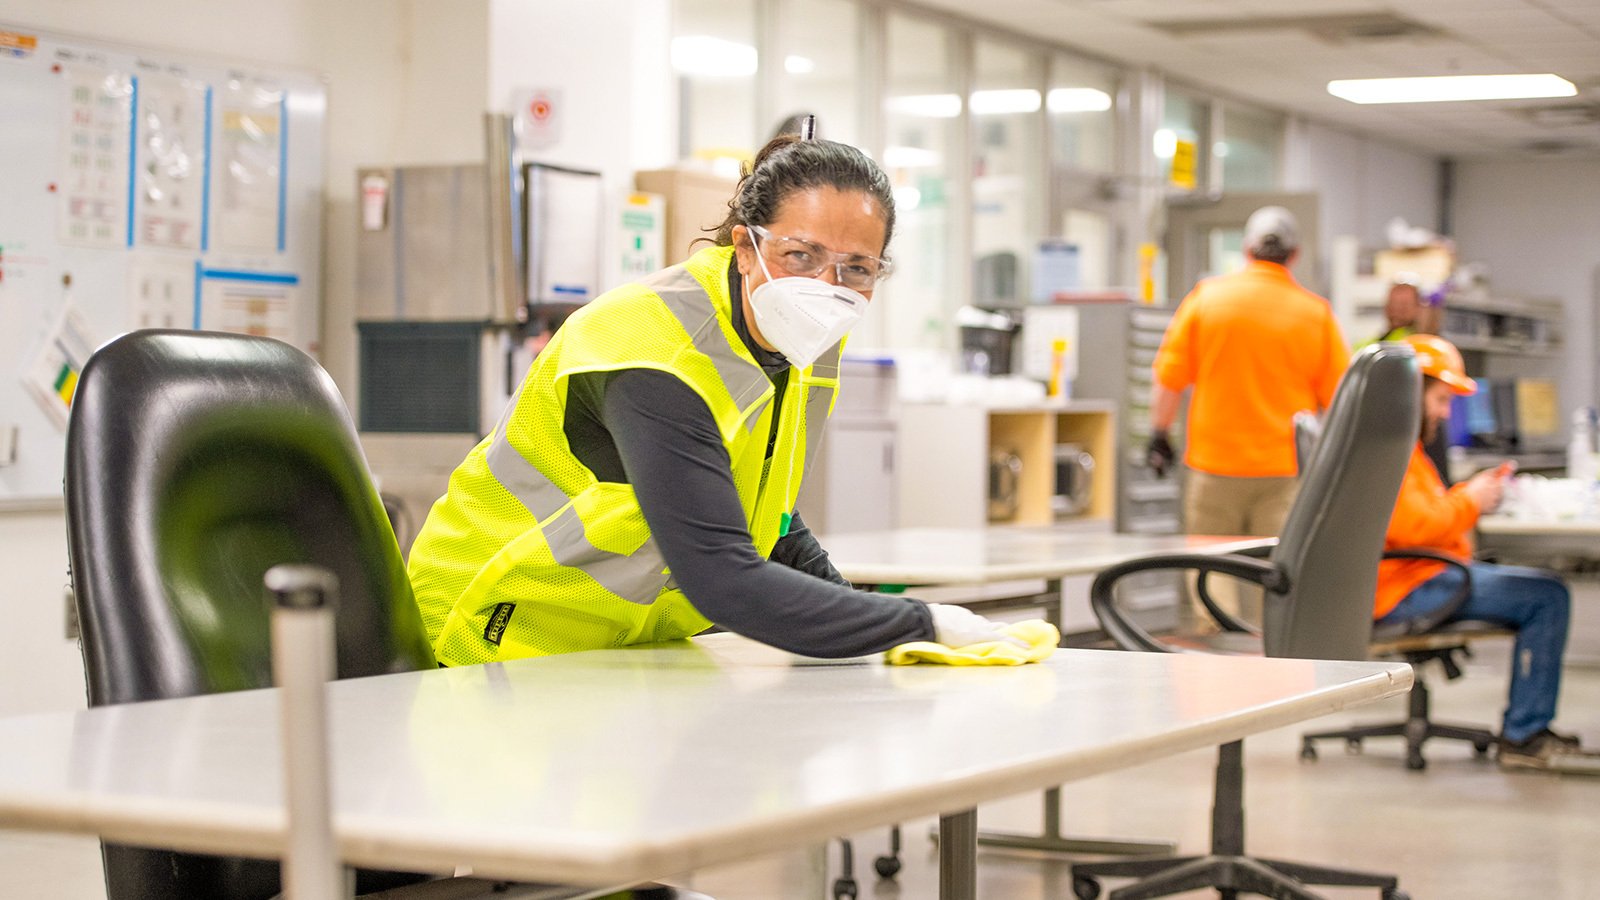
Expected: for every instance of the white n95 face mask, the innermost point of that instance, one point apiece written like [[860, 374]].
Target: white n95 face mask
[[803, 317]]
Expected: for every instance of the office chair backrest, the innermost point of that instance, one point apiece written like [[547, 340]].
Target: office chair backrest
[[195, 462], [1333, 537]]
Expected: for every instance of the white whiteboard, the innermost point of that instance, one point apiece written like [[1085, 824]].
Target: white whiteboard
[[142, 189]]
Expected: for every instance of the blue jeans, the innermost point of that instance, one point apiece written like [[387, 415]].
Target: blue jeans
[[1534, 603]]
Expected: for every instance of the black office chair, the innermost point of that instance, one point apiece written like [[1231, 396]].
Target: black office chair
[[1418, 641], [1319, 581], [195, 462]]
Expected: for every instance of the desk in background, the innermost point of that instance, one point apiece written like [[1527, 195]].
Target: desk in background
[[1547, 539], [1572, 545], [622, 765], [940, 557], [975, 556]]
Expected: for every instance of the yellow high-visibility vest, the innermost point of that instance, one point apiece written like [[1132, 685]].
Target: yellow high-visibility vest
[[528, 554]]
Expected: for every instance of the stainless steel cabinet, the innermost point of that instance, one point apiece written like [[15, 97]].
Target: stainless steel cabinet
[[1117, 347]]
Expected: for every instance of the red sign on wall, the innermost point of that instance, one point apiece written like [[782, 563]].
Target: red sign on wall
[[538, 122]]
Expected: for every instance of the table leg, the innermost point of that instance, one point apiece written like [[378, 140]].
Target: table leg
[[1052, 840], [958, 855]]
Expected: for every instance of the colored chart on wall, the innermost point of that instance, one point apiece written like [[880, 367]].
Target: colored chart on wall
[[141, 189]]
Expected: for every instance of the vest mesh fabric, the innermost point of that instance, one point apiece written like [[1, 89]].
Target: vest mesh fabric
[[488, 543]]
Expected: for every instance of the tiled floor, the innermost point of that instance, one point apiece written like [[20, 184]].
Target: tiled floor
[[1461, 829]]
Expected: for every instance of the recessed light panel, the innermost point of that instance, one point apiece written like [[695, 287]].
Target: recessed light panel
[[1443, 88]]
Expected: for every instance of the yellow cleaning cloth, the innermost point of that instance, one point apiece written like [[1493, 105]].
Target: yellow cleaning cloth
[[1040, 636]]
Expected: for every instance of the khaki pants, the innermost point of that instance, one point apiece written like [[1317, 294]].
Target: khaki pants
[[1239, 507]]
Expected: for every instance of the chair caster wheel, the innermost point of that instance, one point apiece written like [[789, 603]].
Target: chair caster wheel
[[1415, 762], [1307, 751], [1085, 888], [844, 889], [1396, 894], [1352, 745], [887, 866], [1481, 748]]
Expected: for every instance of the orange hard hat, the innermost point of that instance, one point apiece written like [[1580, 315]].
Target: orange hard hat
[[1440, 359]]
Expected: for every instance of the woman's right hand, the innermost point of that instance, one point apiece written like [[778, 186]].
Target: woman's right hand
[[957, 626]]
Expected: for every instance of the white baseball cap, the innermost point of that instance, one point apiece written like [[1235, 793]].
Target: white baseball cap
[[1271, 224]]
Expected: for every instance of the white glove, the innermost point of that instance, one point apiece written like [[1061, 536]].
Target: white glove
[[957, 626]]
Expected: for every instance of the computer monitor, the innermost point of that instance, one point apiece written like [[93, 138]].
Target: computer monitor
[[1458, 433], [1506, 414], [1473, 419]]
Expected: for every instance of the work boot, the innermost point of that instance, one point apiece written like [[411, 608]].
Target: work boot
[[1547, 750]]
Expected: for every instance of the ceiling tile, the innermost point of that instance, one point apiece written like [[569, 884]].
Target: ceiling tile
[[1522, 34], [1511, 17], [1455, 6], [1289, 70]]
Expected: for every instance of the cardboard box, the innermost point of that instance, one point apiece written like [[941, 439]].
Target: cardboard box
[[696, 200], [1428, 265]]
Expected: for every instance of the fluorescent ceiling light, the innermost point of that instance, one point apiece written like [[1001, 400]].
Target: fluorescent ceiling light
[[799, 65], [702, 54], [1002, 102], [927, 106], [1440, 88], [1065, 100]]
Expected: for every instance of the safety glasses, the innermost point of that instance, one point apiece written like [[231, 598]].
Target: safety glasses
[[796, 256]]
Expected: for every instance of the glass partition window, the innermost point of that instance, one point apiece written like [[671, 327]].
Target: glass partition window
[[922, 137], [819, 66], [1250, 148], [1181, 144], [714, 58], [1081, 109], [1225, 250], [1007, 123]]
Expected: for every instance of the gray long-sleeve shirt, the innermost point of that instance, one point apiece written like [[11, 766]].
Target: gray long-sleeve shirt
[[648, 429]]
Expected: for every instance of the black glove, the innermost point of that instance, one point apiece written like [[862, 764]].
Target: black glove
[[1158, 453]]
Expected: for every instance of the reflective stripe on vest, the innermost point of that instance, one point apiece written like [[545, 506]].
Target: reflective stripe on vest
[[688, 303], [638, 577], [819, 400]]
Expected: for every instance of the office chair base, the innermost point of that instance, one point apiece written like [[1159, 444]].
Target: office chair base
[[844, 887], [1226, 874], [888, 865], [1225, 868], [1418, 728]]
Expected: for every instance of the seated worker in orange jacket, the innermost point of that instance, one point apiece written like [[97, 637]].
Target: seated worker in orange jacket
[[1531, 602]]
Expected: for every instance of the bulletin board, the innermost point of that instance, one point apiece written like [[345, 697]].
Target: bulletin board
[[142, 189]]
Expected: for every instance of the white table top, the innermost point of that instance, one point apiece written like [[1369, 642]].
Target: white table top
[[610, 766], [1509, 525], [974, 555]]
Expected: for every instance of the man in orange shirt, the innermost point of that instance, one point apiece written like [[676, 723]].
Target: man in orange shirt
[[1257, 348], [1534, 603]]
